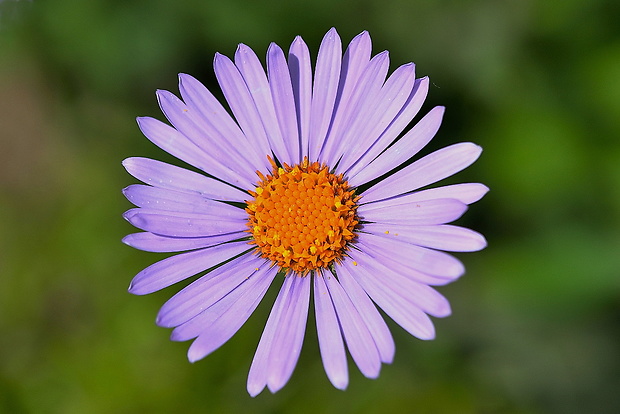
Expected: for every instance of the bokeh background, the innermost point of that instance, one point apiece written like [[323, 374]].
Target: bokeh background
[[536, 320]]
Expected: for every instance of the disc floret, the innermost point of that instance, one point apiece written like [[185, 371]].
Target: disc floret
[[302, 217]]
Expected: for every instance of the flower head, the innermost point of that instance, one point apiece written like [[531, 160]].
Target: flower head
[[301, 187]]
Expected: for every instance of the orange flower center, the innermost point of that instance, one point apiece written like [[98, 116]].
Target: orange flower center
[[302, 217]]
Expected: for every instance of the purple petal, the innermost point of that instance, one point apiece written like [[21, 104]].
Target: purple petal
[[205, 291], [225, 318], [283, 101], [360, 342], [280, 344], [406, 268], [355, 59], [330, 339], [177, 144], [412, 319], [437, 211], [301, 79], [417, 294], [425, 260], [224, 162], [171, 200], [368, 311], [154, 243], [432, 168], [466, 193], [258, 86], [175, 224], [442, 237], [403, 118], [181, 266], [240, 101], [216, 122], [162, 175], [326, 78], [355, 113], [377, 115], [232, 306], [405, 148]]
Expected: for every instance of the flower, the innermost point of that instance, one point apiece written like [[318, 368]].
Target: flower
[[301, 186]]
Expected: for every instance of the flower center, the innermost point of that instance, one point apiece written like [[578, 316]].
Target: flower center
[[302, 217]]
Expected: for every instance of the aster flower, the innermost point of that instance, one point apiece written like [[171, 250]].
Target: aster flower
[[301, 188]]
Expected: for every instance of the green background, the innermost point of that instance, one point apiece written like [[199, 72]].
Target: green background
[[535, 325]]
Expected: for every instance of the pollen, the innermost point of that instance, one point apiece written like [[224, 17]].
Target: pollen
[[302, 217]]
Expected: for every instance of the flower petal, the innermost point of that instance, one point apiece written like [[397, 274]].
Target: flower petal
[[418, 294], [301, 79], [258, 86], [190, 124], [403, 118], [432, 262], [162, 175], [231, 306], [175, 224], [155, 243], [183, 202], [466, 193], [330, 339], [405, 148], [240, 101], [377, 115], [432, 168], [368, 311], [181, 266], [216, 122], [412, 319], [359, 340], [355, 59], [326, 78], [436, 211], [442, 237], [284, 101], [280, 344], [222, 320], [177, 144], [364, 100], [205, 291]]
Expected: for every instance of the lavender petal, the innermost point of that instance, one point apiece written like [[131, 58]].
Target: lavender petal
[[258, 86], [412, 319], [162, 175], [301, 80], [430, 169], [181, 266], [432, 262], [403, 118], [281, 88], [359, 340], [442, 237], [436, 211], [172, 200], [326, 78], [405, 148], [227, 316], [331, 344], [166, 223], [373, 319], [240, 101], [150, 242], [205, 291]]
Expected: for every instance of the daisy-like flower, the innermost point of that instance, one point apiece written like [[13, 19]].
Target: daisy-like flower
[[300, 188]]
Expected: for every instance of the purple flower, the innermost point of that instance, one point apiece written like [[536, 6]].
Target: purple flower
[[300, 187]]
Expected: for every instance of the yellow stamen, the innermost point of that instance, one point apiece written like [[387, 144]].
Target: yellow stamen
[[302, 217]]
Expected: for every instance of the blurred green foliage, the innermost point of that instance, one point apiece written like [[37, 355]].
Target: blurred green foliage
[[536, 320]]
